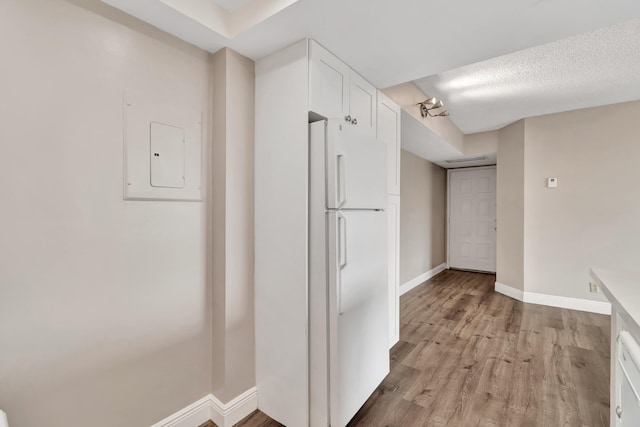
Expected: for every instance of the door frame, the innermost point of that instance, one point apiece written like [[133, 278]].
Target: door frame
[[448, 213]]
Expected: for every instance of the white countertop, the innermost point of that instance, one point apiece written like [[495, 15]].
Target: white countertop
[[622, 289]]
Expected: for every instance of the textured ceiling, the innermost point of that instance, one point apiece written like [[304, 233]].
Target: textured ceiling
[[391, 42], [596, 68]]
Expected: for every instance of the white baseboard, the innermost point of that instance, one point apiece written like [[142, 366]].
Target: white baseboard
[[406, 287], [226, 415], [599, 307], [209, 408], [193, 415], [590, 306], [509, 291]]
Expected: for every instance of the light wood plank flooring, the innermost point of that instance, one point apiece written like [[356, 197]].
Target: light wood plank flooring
[[468, 356]]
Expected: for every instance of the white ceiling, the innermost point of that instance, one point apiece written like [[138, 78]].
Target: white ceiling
[[391, 42], [597, 68], [232, 5], [209, 24]]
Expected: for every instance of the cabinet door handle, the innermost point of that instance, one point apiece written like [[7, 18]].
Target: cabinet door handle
[[348, 118], [619, 411], [355, 121]]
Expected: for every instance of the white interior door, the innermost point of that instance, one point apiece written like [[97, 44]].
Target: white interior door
[[358, 304], [356, 169], [472, 219]]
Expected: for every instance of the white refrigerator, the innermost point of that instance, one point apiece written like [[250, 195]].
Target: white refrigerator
[[348, 290]]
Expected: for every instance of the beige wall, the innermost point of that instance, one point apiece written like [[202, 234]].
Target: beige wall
[[233, 83], [548, 239], [481, 143], [510, 206], [104, 304], [593, 218], [423, 206]]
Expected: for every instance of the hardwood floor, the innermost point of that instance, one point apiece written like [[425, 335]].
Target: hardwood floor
[[257, 419], [468, 356]]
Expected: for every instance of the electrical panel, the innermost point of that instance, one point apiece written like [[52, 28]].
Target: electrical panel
[[163, 150]]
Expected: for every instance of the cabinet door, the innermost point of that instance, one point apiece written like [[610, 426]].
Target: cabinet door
[[328, 83], [393, 261], [363, 105], [627, 404], [630, 404], [389, 114]]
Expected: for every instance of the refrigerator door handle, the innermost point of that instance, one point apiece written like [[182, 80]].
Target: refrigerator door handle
[[340, 311], [342, 232], [342, 179], [342, 256]]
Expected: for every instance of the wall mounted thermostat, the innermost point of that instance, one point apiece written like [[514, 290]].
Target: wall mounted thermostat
[[163, 151], [552, 182]]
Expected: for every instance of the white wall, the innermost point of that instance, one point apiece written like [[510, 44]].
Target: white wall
[[104, 314], [423, 207], [593, 218]]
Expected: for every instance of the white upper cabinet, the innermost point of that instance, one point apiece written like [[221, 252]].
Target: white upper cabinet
[[362, 105], [328, 83], [336, 91], [389, 132]]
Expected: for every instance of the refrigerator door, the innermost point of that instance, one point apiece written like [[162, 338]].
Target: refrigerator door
[[358, 323], [356, 169]]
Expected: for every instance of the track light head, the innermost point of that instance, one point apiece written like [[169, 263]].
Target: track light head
[[428, 105]]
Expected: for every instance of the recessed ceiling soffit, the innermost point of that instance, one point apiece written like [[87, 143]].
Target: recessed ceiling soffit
[[222, 17]]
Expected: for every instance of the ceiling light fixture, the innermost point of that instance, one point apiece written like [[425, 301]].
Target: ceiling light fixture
[[428, 105]]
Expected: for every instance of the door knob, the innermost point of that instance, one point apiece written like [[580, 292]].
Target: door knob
[[348, 119], [619, 411], [355, 121]]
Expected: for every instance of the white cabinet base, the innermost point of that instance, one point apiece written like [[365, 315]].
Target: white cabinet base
[[393, 262]]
